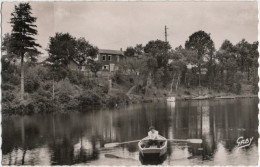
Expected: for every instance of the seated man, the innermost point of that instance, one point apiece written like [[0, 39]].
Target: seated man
[[153, 136]]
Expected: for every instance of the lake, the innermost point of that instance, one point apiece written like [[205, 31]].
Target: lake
[[78, 138]]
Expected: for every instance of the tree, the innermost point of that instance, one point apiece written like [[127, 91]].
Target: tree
[[94, 66], [243, 49], [62, 49], [200, 42], [247, 55], [227, 63], [84, 51], [159, 50], [158, 53], [22, 41], [181, 58], [134, 51], [139, 49], [130, 52]]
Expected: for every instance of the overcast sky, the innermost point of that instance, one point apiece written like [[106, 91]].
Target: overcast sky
[[115, 25]]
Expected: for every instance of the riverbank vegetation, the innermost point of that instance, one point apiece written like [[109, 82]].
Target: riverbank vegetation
[[153, 71]]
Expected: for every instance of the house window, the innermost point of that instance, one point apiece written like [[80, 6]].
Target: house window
[[105, 67], [104, 57], [109, 58]]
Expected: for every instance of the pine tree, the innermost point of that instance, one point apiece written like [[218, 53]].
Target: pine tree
[[22, 41]]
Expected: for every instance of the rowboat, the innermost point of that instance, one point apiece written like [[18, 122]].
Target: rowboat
[[153, 148]]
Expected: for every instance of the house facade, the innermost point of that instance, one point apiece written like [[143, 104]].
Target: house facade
[[110, 59]]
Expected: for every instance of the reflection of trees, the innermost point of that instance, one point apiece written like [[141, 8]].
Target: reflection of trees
[[221, 122], [62, 152]]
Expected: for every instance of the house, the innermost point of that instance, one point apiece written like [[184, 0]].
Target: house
[[110, 59]]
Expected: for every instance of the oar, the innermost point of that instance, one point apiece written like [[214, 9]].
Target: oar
[[195, 141], [108, 145]]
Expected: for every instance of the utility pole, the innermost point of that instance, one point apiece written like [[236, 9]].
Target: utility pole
[[165, 31]]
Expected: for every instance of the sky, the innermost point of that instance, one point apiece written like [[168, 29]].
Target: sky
[[115, 25]]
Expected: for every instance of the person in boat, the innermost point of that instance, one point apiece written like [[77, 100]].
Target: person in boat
[[153, 136]]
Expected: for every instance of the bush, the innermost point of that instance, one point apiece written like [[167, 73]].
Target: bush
[[7, 96], [118, 77], [12, 78], [31, 84], [7, 87], [90, 97], [117, 99]]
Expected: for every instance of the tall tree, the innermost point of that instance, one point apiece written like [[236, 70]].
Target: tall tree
[[159, 50], [84, 51], [22, 36], [200, 42], [62, 49], [181, 59], [246, 55], [227, 60]]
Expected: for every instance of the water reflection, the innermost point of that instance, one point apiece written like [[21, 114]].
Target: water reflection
[[78, 138]]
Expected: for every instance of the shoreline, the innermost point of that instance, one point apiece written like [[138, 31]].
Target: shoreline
[[207, 97], [138, 100], [154, 99]]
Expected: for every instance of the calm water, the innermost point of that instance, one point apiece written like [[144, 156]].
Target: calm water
[[78, 138]]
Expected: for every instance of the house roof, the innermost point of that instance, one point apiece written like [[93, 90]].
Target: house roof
[[114, 52]]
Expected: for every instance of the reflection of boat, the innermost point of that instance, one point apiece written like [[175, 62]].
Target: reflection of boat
[[153, 150], [171, 99], [152, 159]]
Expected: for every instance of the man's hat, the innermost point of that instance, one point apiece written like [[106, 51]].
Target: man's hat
[[151, 127]]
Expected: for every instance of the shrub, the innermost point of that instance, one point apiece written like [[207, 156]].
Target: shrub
[[90, 97], [7, 87], [118, 77], [8, 96], [117, 99], [31, 84]]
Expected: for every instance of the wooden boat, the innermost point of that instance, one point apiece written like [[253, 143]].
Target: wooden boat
[[171, 99], [153, 149]]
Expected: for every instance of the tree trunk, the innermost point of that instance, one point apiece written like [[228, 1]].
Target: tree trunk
[[22, 77], [248, 73], [172, 84], [199, 73], [177, 83], [148, 82], [23, 157], [53, 89]]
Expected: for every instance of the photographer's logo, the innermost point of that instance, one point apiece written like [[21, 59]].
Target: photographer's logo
[[243, 142]]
